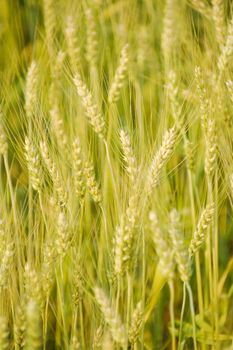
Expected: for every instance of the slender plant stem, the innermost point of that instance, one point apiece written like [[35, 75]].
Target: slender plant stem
[[215, 260], [45, 323], [192, 314], [172, 313], [182, 316]]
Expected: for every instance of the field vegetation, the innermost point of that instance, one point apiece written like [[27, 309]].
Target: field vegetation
[[116, 174]]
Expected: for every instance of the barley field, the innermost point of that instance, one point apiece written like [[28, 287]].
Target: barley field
[[116, 174]]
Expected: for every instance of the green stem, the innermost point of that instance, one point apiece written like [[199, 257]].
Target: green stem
[[192, 314], [172, 313], [45, 325], [182, 316]]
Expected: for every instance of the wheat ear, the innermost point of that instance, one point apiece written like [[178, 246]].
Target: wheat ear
[[202, 94], [201, 7], [58, 128], [92, 42], [211, 147], [50, 25], [229, 85], [32, 285], [136, 324], [125, 236], [180, 249], [162, 247], [169, 32], [33, 164], [31, 90], [64, 235], [78, 169], [92, 185], [161, 158], [128, 155], [227, 49], [55, 92], [47, 268], [6, 264], [78, 286], [72, 44], [55, 175], [33, 338], [111, 318], [4, 334], [172, 90], [218, 13], [202, 226], [98, 337], [120, 76], [3, 139], [74, 342], [94, 116], [20, 326]]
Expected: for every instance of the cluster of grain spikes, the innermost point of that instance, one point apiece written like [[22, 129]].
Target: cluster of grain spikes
[[88, 240]]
